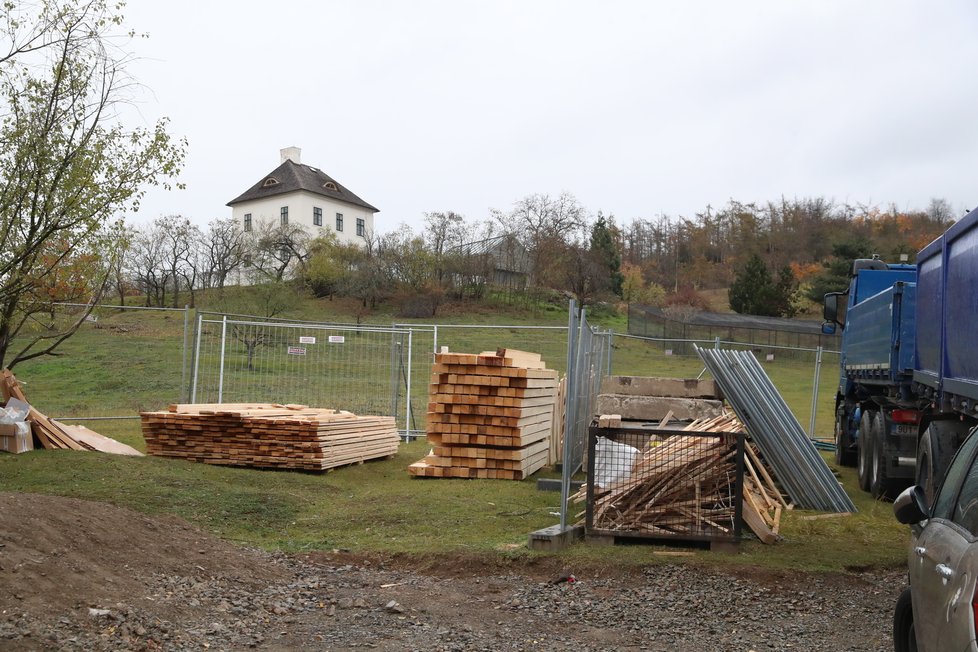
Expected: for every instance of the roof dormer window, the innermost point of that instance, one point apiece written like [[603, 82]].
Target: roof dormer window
[[270, 181], [329, 185]]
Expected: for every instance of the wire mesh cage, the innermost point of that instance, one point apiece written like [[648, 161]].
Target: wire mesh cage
[[653, 483]]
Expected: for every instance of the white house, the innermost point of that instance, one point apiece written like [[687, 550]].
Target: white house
[[294, 193]]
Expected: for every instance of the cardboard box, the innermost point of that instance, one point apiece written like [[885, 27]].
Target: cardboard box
[[16, 437]]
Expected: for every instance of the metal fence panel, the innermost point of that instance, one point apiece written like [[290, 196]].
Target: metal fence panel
[[362, 369], [587, 362]]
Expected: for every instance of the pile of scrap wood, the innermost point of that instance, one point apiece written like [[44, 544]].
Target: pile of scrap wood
[[685, 485], [53, 434], [268, 435], [490, 415]]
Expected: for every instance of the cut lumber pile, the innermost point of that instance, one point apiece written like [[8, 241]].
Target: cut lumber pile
[[52, 434], [268, 435], [490, 415], [685, 485]]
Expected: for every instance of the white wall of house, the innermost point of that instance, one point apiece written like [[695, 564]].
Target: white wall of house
[[301, 205]]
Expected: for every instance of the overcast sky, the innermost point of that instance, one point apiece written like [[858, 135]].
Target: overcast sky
[[638, 108]]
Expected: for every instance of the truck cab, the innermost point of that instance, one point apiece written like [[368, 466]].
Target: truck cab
[[876, 413]]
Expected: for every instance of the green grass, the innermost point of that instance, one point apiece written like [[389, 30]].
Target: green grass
[[378, 508], [133, 362]]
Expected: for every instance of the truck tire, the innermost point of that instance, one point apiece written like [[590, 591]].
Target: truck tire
[[880, 485], [865, 449], [933, 456], [844, 455]]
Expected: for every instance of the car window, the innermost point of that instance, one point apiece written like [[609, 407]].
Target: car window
[[946, 502]]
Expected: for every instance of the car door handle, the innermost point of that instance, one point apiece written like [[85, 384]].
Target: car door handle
[[920, 550], [944, 571]]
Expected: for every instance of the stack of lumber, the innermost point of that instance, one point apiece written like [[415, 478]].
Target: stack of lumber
[[268, 435], [53, 434], [490, 415], [685, 485]]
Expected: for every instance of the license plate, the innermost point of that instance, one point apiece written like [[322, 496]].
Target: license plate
[[904, 430]]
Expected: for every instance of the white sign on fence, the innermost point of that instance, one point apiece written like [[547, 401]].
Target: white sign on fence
[[307, 339], [336, 339], [297, 350]]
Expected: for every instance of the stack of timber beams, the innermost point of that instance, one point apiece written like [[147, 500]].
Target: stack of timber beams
[[268, 435], [490, 415]]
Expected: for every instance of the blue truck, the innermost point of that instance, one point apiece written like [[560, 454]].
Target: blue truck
[[908, 386]]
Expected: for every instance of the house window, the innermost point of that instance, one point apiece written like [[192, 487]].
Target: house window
[[247, 222], [285, 215], [270, 181], [361, 227], [339, 221], [317, 216], [329, 185]]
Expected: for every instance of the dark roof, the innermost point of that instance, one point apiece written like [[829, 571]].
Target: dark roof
[[296, 176], [734, 320]]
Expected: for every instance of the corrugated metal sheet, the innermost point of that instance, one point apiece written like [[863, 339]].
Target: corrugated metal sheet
[[798, 466]]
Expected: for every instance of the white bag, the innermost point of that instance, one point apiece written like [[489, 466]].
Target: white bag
[[613, 462]]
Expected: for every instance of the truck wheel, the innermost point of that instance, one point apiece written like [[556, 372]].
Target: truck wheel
[[904, 632], [933, 455], [879, 484], [844, 455], [865, 449]]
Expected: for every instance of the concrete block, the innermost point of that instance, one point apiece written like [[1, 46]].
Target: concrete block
[[649, 386], [555, 538], [654, 408]]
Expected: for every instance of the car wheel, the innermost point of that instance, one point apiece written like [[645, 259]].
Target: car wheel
[[865, 449], [904, 633], [844, 455], [932, 460]]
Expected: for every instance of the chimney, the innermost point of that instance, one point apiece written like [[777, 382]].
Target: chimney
[[291, 154]]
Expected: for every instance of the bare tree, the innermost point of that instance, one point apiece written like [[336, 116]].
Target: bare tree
[[178, 240], [544, 225], [277, 251], [224, 251], [147, 264]]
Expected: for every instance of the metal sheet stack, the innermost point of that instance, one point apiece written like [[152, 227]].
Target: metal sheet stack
[[268, 435], [490, 415]]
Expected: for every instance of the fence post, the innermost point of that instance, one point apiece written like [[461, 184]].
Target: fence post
[[193, 386], [183, 371], [570, 405], [407, 410], [220, 378], [818, 367], [435, 337]]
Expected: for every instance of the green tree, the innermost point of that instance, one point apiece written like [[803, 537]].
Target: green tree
[[835, 276], [755, 292], [605, 250], [68, 169]]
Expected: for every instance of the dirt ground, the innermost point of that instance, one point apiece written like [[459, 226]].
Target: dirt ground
[[79, 575]]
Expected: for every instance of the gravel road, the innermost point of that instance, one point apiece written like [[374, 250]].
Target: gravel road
[[121, 581]]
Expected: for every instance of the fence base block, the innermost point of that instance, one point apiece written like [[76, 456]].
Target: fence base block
[[555, 538]]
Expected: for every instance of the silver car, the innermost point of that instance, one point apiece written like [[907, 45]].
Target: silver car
[[939, 612]]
